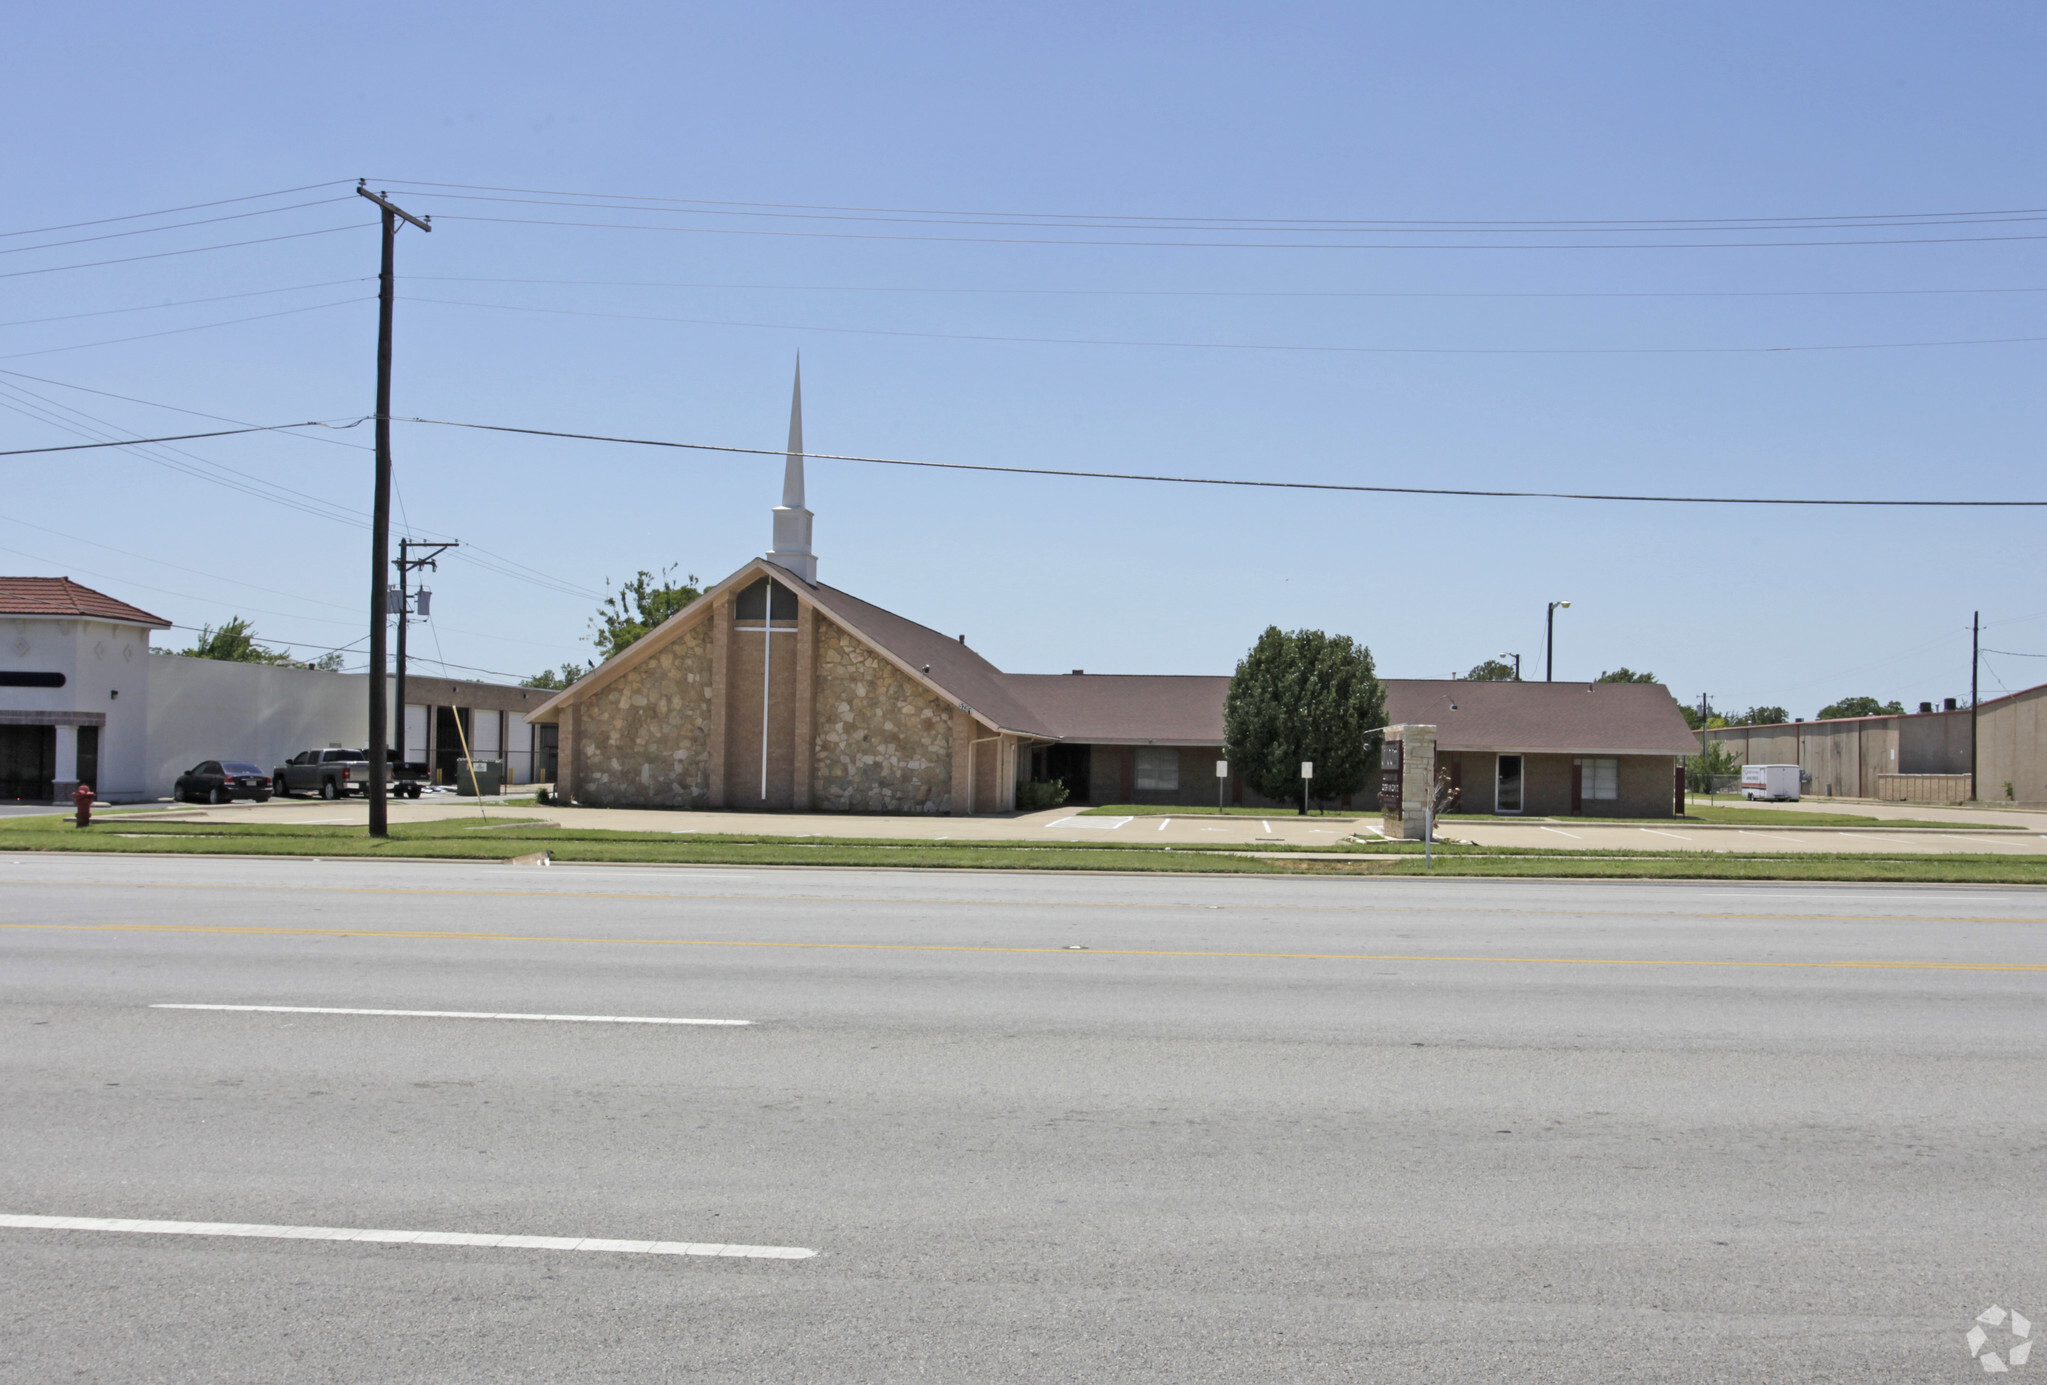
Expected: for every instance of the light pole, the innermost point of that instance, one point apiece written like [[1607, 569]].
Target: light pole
[[1517, 663], [1549, 642]]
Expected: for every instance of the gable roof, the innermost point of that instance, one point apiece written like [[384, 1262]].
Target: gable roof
[[1168, 709], [60, 596], [1552, 718]]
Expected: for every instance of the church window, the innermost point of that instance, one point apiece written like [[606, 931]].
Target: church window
[[1158, 768], [753, 602]]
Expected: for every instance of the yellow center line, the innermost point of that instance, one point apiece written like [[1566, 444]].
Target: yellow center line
[[1357, 909], [463, 936]]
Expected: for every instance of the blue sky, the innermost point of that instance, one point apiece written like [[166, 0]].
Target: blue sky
[[1605, 369]]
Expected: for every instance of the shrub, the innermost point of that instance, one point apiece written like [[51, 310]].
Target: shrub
[[1040, 794]]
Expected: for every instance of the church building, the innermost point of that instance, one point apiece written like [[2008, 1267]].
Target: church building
[[776, 691]]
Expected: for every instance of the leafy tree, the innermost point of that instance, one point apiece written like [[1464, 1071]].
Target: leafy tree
[[553, 679], [1626, 675], [1861, 707], [637, 607], [235, 642], [1714, 759], [1760, 716], [1300, 696], [1492, 671]]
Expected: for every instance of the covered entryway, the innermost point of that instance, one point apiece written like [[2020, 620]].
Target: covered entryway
[[28, 763]]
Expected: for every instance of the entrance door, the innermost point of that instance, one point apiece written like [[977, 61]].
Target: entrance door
[[1507, 791], [89, 757], [28, 760]]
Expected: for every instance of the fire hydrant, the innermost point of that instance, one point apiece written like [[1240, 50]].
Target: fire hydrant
[[82, 796]]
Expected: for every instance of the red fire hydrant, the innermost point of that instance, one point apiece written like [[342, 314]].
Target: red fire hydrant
[[83, 796]]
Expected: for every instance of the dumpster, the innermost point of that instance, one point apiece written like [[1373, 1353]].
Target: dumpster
[[479, 776]]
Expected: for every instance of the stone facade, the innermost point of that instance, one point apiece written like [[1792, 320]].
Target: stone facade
[[645, 741], [883, 743]]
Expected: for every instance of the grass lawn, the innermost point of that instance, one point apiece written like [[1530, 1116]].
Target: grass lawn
[[502, 838]]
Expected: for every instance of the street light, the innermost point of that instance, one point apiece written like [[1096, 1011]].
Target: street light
[[1549, 642], [1517, 663]]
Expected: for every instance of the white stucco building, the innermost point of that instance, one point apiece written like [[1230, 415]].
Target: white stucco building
[[74, 690]]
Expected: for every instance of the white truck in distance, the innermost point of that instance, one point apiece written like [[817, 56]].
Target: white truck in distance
[[1777, 783]]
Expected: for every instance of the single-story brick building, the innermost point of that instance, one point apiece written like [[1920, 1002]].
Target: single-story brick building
[[775, 691]]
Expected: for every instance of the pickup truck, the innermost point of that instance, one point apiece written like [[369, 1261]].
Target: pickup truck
[[337, 772]]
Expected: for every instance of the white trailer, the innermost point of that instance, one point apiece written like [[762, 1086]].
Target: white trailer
[[1777, 783]]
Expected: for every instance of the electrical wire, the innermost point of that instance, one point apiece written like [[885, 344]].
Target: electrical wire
[[183, 302], [1238, 481], [175, 437], [173, 211], [270, 588], [173, 408], [174, 226], [1236, 245], [176, 331], [1219, 293], [1685, 222], [191, 250], [1244, 346]]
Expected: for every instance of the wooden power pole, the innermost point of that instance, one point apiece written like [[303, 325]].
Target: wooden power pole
[[380, 519]]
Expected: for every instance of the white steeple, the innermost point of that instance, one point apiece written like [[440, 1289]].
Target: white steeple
[[792, 521]]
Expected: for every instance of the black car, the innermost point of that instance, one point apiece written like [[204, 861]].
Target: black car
[[221, 781]]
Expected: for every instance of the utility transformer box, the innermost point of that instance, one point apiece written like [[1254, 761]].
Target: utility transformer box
[[1776, 783]]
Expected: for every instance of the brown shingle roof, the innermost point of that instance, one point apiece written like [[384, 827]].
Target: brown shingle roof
[[978, 684], [60, 596], [1165, 709], [1579, 718]]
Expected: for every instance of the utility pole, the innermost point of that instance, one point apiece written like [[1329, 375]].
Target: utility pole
[[407, 563], [380, 518], [1504, 654], [1975, 662]]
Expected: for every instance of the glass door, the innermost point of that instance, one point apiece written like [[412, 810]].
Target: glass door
[[1507, 792]]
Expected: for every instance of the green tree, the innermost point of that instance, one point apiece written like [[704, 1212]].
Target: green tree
[[637, 607], [1492, 671], [235, 641], [1760, 716], [1626, 675], [1860, 707], [1714, 760], [1300, 696], [553, 679]]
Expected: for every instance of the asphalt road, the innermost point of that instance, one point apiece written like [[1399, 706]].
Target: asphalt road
[[1258, 1129]]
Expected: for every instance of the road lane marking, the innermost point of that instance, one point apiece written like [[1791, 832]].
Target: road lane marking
[[418, 1238], [1848, 964], [1771, 835], [1092, 824], [1678, 835], [1165, 824], [440, 1014], [1865, 837], [1562, 833]]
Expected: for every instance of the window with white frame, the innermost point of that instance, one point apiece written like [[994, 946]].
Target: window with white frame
[[1158, 768], [1599, 779]]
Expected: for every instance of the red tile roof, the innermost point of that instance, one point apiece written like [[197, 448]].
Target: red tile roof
[[60, 596]]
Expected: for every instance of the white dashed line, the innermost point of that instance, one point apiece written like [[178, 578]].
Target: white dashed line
[[442, 1014], [1562, 833], [1164, 825], [1095, 824], [418, 1238], [1678, 835]]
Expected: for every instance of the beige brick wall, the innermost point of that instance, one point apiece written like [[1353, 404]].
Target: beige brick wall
[[644, 741], [884, 743]]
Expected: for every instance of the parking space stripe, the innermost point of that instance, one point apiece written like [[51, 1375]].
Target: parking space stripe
[[426, 1238], [443, 1014]]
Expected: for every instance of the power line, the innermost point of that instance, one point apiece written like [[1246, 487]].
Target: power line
[[173, 226], [173, 211], [1244, 346], [1224, 293], [180, 303], [176, 331], [191, 250], [175, 437], [1231, 481], [173, 408], [1239, 245], [687, 202]]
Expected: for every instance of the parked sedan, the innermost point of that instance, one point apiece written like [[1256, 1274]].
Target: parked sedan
[[220, 781]]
